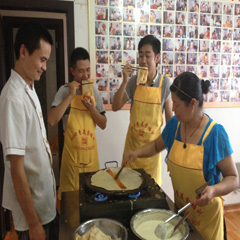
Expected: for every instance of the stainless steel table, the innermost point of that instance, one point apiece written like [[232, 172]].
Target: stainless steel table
[[70, 219]]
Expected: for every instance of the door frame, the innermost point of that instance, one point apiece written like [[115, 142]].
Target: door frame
[[47, 6], [44, 6], [9, 23]]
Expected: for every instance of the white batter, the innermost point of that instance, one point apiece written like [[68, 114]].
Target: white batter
[[146, 230]]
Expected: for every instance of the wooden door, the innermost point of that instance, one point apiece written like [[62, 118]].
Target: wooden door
[[5, 215]]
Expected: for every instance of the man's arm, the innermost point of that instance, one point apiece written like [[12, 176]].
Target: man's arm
[[55, 114], [23, 193], [99, 119], [120, 98]]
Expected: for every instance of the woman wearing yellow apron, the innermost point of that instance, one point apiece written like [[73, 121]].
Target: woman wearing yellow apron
[[198, 151], [80, 152], [186, 167], [148, 102]]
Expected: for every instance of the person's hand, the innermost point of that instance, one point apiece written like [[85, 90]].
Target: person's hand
[[88, 103], [129, 157], [37, 232], [73, 86], [127, 70], [206, 196]]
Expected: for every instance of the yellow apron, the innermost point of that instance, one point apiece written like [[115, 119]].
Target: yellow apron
[[80, 152], [145, 125], [186, 170]]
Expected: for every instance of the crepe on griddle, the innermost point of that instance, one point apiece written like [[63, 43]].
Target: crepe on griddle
[[130, 178], [142, 75]]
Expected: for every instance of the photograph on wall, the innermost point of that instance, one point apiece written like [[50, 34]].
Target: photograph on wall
[[199, 36]]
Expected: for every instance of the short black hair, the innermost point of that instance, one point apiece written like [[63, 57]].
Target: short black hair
[[151, 40], [78, 54], [30, 34]]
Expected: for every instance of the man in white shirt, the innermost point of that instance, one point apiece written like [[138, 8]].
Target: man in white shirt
[[29, 189]]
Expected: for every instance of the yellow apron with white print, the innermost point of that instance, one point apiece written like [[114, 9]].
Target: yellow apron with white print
[[145, 126], [80, 152], [186, 170]]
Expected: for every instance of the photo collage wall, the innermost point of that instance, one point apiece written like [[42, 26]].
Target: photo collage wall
[[202, 37]]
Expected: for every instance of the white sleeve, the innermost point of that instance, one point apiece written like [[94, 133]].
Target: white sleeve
[[60, 95], [15, 128]]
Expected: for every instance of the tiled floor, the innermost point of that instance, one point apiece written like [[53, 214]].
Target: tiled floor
[[232, 217]]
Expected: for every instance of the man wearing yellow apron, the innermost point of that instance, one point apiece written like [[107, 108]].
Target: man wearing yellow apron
[[147, 104], [80, 152]]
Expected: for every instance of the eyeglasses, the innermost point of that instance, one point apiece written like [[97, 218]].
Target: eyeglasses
[[181, 91]]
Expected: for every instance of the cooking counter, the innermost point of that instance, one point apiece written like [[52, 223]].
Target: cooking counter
[[70, 219]]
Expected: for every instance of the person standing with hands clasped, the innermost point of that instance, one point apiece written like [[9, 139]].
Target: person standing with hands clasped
[[148, 101], [80, 116], [199, 151], [29, 189]]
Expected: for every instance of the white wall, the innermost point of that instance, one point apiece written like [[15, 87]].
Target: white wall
[[111, 140]]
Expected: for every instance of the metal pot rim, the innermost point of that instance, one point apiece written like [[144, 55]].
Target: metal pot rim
[[98, 220], [141, 213]]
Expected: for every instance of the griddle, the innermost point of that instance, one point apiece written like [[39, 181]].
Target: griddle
[[144, 176], [120, 207]]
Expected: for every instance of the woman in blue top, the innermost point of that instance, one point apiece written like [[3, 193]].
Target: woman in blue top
[[198, 151]]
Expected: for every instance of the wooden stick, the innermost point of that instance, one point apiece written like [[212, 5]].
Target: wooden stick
[[136, 68], [179, 223], [67, 84], [119, 183], [87, 83]]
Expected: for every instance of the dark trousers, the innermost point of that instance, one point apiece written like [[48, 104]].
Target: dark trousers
[[51, 230], [225, 229]]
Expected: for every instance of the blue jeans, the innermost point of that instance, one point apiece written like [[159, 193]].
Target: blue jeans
[[51, 230]]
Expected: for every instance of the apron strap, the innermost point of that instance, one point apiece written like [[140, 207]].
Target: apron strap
[[161, 81], [208, 131], [177, 130]]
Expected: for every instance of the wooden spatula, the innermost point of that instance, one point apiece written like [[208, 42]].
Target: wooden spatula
[[118, 173], [199, 190], [178, 224]]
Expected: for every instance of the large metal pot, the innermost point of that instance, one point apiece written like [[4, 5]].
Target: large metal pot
[[155, 216], [108, 226]]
